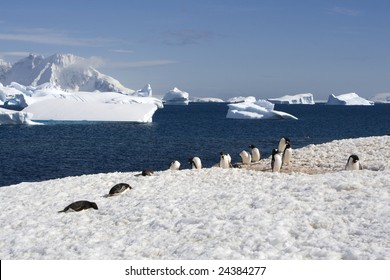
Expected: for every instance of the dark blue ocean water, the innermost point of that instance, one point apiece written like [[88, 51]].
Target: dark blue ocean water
[[55, 150]]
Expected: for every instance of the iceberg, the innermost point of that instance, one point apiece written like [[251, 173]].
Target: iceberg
[[72, 110], [261, 109], [48, 102], [348, 99], [15, 117], [206, 99], [381, 98], [146, 91], [176, 97], [301, 98], [241, 99]]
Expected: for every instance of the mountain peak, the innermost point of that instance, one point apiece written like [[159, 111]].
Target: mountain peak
[[66, 71]]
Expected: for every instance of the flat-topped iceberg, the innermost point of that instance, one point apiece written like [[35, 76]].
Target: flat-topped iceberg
[[176, 97], [48, 102], [206, 99], [239, 99], [301, 98], [72, 110], [348, 99], [381, 98], [15, 117], [261, 109]]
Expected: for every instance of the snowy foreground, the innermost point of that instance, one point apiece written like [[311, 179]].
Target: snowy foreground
[[212, 213]]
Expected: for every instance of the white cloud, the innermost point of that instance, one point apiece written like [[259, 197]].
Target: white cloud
[[50, 37], [14, 54]]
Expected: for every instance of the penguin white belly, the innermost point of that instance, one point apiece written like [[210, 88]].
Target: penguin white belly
[[175, 165], [224, 161], [353, 166], [287, 156], [197, 164], [245, 157], [277, 163], [255, 155]]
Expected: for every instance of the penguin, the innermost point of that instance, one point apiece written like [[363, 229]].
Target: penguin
[[255, 153], [79, 205], [353, 163], [175, 165], [146, 172], [276, 161], [282, 144], [195, 163], [246, 157], [119, 188], [287, 154], [225, 161]]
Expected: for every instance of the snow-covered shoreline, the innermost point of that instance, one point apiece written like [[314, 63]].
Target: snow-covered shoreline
[[212, 213]]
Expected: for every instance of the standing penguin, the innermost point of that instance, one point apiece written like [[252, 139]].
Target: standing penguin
[[282, 144], [287, 154], [246, 157], [255, 153], [175, 165], [276, 161], [195, 163], [224, 160], [353, 163]]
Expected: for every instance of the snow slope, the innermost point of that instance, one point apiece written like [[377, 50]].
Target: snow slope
[[211, 213]]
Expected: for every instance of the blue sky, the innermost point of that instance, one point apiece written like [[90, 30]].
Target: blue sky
[[213, 48]]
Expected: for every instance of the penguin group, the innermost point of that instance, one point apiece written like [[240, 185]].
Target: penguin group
[[281, 156]]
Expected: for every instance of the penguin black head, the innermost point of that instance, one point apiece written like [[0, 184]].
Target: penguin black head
[[288, 145], [354, 158], [94, 205], [274, 151], [191, 160], [252, 146], [287, 140]]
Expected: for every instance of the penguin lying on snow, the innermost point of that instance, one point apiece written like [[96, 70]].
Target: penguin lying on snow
[[79, 205], [146, 172], [353, 163], [119, 188]]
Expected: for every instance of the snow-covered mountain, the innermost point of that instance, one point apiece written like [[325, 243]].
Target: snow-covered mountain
[[67, 71]]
